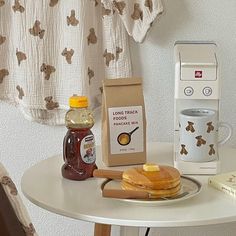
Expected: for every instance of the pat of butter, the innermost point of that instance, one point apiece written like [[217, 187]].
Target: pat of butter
[[151, 167]]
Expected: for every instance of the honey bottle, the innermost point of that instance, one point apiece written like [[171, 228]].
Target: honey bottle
[[79, 143]]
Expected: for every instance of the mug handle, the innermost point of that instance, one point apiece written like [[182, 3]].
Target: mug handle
[[230, 131]]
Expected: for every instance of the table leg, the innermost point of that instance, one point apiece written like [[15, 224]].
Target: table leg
[[127, 231], [102, 230]]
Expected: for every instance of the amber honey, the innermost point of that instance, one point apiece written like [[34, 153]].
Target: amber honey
[[79, 144]]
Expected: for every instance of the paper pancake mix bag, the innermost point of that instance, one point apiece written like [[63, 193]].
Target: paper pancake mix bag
[[123, 122]]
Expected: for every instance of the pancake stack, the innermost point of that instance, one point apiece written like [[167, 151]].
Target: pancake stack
[[159, 181]]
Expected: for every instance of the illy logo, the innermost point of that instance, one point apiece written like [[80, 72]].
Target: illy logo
[[198, 74]]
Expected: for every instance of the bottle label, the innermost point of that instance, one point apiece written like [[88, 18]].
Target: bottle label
[[87, 149]]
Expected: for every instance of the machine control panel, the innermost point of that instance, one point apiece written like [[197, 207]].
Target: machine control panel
[[189, 91], [196, 71]]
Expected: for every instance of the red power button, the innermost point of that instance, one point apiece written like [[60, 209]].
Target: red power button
[[198, 74]]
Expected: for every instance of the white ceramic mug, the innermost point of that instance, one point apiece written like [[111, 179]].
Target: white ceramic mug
[[198, 139]]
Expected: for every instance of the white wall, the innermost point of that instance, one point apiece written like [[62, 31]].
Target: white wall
[[185, 20], [23, 143]]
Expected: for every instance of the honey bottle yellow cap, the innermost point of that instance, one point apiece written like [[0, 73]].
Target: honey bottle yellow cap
[[78, 101]]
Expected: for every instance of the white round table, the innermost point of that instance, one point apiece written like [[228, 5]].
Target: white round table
[[44, 185]]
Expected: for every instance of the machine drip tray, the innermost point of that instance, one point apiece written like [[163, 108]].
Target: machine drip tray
[[195, 168]]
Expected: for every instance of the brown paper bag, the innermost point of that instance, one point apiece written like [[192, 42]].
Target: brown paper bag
[[123, 122]]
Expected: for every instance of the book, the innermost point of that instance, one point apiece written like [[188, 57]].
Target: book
[[225, 182]]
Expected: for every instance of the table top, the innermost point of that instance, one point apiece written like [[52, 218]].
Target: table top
[[44, 185]]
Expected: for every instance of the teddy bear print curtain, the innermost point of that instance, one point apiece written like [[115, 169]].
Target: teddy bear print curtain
[[51, 49]]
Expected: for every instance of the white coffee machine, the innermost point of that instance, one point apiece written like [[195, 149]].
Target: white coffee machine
[[196, 86]]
